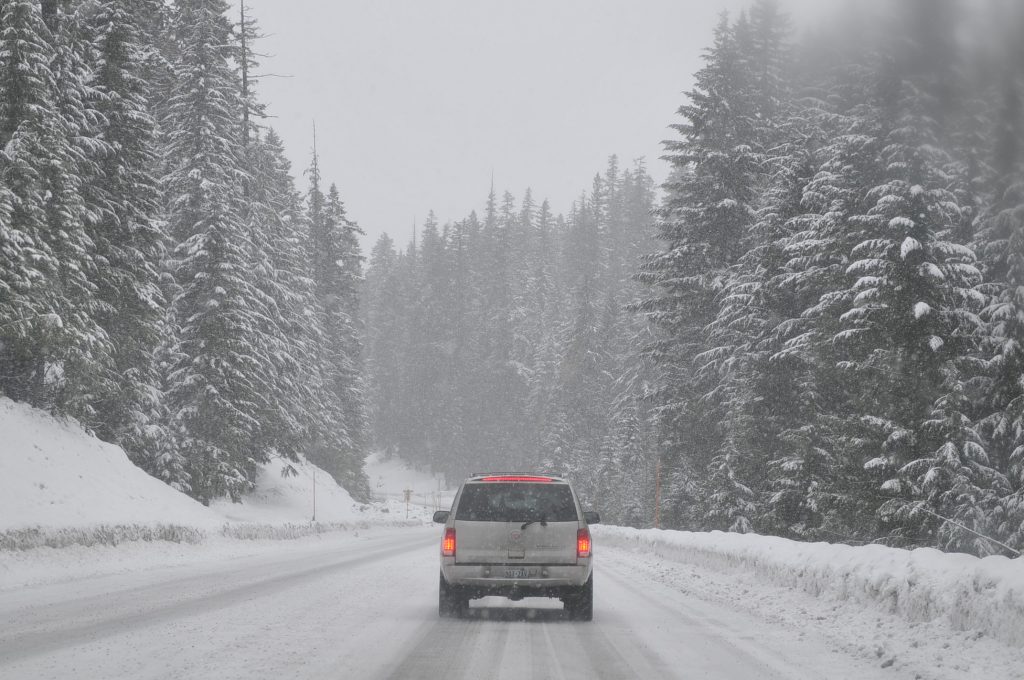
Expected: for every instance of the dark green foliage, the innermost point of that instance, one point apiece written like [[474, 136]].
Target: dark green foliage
[[830, 339], [126, 235], [339, 444], [819, 337], [48, 328], [179, 317]]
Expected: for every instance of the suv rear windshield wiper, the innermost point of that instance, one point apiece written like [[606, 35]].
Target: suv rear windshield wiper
[[543, 522]]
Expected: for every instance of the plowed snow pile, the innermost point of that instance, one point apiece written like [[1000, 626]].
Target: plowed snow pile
[[924, 585]]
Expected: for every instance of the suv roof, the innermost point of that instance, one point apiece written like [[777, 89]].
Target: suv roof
[[527, 477]]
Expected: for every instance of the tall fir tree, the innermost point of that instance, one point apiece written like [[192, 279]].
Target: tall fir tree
[[52, 346], [704, 224], [127, 236], [336, 274], [219, 372]]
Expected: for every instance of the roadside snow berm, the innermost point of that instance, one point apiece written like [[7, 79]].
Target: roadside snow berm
[[971, 593]]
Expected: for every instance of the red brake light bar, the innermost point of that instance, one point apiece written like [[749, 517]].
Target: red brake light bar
[[515, 478]]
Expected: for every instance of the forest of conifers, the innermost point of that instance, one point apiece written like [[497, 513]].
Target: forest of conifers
[[161, 278], [814, 328], [818, 333]]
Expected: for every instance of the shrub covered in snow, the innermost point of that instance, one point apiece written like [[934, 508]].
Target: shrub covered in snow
[[254, 532], [104, 534]]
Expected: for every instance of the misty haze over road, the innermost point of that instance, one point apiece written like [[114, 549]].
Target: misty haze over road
[[751, 280]]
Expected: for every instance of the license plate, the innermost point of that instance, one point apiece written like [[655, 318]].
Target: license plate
[[520, 573]]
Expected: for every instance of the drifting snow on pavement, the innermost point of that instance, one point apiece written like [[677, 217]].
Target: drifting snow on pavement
[[365, 606]]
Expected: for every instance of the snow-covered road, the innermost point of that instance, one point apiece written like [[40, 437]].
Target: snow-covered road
[[365, 607]]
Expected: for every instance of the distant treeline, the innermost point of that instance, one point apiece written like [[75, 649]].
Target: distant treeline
[[503, 342]]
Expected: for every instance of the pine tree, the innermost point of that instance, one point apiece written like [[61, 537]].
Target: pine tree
[[48, 323], [463, 245], [159, 51], [248, 34], [126, 236], [384, 316], [822, 488], [582, 380], [627, 451], [278, 233], [704, 223], [336, 272], [71, 210], [912, 315], [30, 321], [220, 372], [754, 391], [1000, 244]]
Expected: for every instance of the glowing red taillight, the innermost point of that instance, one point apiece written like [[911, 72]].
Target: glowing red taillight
[[582, 543], [448, 544]]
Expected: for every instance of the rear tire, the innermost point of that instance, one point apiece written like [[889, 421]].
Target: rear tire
[[449, 603], [580, 605]]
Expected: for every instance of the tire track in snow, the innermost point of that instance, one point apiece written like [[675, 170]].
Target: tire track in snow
[[520, 643], [93, 618]]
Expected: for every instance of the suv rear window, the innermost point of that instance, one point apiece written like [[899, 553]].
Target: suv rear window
[[510, 502]]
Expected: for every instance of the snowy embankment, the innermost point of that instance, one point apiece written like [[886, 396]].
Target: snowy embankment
[[924, 585], [60, 486]]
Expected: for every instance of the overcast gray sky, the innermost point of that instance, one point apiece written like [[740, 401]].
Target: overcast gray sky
[[416, 102]]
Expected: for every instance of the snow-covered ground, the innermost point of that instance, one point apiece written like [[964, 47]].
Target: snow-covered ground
[[390, 478], [923, 612], [287, 491], [668, 604], [76, 563], [365, 606], [62, 486], [54, 475], [72, 506]]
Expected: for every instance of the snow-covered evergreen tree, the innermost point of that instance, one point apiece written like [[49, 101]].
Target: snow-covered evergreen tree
[[220, 373], [126, 234], [1000, 245], [911, 316], [334, 250], [30, 321], [704, 223], [384, 314], [48, 325]]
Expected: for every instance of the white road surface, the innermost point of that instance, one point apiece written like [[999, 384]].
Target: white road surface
[[367, 608]]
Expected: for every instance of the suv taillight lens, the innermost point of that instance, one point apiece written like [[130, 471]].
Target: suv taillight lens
[[582, 543], [448, 544]]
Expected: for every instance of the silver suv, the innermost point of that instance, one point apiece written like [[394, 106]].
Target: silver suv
[[516, 535]]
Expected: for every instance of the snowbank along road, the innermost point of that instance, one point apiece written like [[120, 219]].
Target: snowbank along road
[[367, 608]]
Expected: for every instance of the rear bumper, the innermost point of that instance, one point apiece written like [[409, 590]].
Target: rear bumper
[[480, 580]]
